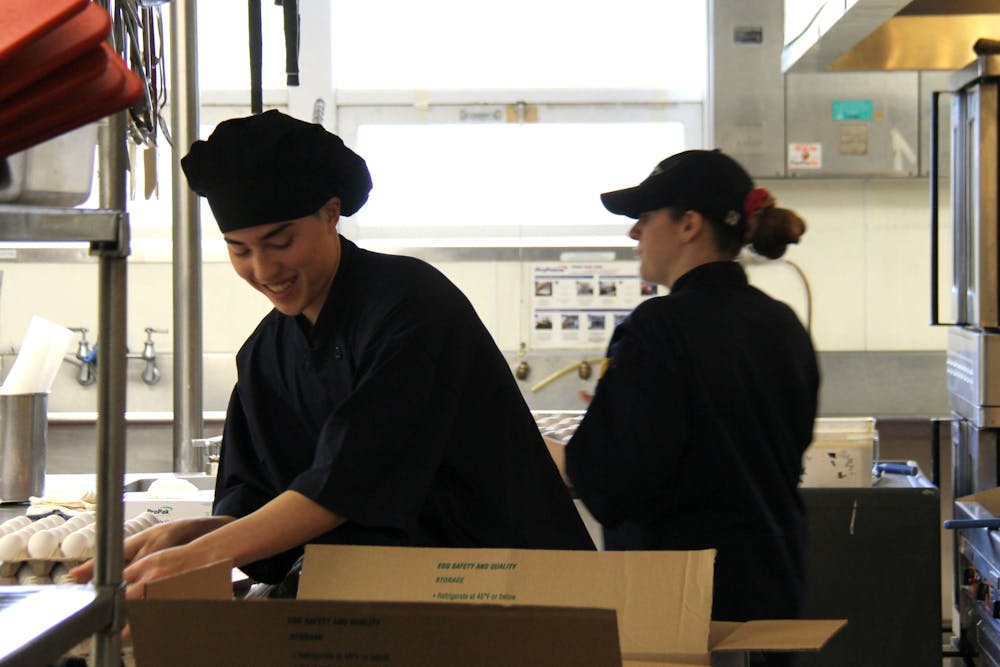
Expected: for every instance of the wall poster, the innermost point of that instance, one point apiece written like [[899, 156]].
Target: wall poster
[[578, 305]]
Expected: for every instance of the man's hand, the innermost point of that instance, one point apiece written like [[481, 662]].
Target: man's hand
[[156, 538]]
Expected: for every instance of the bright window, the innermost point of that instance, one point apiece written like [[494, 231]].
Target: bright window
[[504, 183], [224, 46], [617, 87], [539, 44]]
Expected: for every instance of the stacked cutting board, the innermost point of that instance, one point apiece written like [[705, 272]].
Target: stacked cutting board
[[57, 72]]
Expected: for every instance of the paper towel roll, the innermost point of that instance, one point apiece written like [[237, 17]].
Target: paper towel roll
[[39, 358]]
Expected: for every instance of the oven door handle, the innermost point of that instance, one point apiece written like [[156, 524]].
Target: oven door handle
[[897, 469], [935, 314], [962, 524]]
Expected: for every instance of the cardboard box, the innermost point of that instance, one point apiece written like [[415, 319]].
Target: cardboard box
[[190, 620], [527, 607], [167, 509]]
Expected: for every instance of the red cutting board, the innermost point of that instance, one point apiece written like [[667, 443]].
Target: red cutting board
[[117, 88], [79, 34], [56, 86], [23, 21]]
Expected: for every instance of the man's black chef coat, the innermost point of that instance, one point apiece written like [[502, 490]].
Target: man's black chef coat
[[695, 435], [396, 411]]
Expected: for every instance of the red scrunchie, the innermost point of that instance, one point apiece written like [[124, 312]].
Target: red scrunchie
[[755, 201]]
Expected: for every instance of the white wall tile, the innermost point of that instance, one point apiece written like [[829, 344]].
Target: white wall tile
[[865, 256], [898, 289], [832, 255]]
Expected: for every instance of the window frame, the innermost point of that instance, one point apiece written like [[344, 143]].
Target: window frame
[[442, 107]]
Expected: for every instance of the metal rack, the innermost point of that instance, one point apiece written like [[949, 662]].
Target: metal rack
[[42, 623]]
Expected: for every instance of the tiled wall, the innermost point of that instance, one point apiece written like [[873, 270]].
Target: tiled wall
[[865, 257]]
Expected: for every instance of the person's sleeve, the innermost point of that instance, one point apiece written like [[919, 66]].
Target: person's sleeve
[[624, 457], [378, 453], [239, 487]]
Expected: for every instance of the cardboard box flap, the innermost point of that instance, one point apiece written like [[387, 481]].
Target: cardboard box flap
[[209, 582], [292, 633], [988, 504], [663, 599], [797, 635]]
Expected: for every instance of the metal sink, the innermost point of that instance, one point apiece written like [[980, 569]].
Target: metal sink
[[205, 482]]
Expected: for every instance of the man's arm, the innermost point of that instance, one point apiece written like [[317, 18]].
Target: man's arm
[[289, 520]]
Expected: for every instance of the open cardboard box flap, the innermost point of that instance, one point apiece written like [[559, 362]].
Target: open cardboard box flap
[[530, 607], [663, 599], [298, 633], [191, 619], [988, 504]]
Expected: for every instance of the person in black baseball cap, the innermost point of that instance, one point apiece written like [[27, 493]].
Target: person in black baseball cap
[[356, 395], [721, 192], [695, 433]]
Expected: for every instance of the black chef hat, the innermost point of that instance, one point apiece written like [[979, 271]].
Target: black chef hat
[[709, 182], [271, 167]]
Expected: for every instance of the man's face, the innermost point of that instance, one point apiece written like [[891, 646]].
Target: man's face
[[293, 262]]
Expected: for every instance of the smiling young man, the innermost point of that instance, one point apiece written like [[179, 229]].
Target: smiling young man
[[372, 406], [292, 263]]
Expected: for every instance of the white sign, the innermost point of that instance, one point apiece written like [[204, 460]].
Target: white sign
[[578, 305], [805, 156]]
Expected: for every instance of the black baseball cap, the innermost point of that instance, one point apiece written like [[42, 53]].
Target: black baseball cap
[[707, 181], [271, 167]]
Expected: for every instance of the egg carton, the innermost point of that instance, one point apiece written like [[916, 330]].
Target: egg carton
[[36, 552], [37, 571], [558, 426]]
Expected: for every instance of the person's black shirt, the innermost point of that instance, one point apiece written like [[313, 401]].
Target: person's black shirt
[[695, 435], [397, 412]]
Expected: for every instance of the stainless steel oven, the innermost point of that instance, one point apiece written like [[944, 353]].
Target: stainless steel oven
[[973, 359], [975, 295]]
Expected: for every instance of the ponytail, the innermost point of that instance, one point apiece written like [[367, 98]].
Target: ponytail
[[768, 228]]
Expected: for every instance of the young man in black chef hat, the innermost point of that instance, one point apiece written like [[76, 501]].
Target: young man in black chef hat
[[372, 406]]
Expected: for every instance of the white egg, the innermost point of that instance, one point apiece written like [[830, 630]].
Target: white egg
[[11, 546], [17, 522], [42, 544], [78, 544], [29, 530]]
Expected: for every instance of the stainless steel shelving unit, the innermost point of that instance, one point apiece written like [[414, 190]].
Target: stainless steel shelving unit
[[40, 624]]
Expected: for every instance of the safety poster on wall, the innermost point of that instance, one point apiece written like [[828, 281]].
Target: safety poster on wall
[[578, 305]]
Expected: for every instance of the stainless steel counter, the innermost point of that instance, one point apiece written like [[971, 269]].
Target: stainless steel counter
[[73, 484]]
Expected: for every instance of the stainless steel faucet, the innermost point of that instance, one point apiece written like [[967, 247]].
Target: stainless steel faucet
[[86, 358], [150, 374], [87, 372]]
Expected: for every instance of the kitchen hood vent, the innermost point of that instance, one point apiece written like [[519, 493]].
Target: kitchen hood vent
[[878, 35]]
